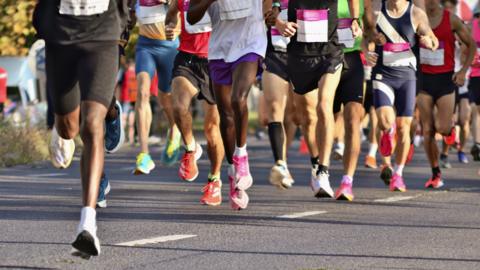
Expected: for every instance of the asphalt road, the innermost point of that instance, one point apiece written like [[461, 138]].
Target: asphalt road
[[419, 229]]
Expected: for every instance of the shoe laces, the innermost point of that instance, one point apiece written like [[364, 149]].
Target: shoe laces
[[186, 161]]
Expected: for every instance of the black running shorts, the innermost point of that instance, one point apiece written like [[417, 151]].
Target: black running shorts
[[276, 63], [350, 88], [437, 85]]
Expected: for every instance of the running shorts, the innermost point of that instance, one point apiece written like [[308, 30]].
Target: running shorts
[[474, 90], [152, 56], [395, 92], [195, 70], [437, 85], [368, 100], [276, 63], [221, 72], [85, 71], [306, 71], [350, 88]]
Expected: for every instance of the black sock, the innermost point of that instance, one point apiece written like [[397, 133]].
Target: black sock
[[322, 168], [436, 171], [314, 161], [277, 139], [443, 156]]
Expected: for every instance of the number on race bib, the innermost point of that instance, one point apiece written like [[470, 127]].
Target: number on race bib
[[312, 25], [344, 32], [433, 58], [83, 7]]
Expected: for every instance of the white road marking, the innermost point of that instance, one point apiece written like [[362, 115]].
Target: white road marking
[[395, 199], [303, 214], [47, 175], [155, 240]]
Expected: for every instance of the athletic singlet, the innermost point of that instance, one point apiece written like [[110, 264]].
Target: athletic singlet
[[194, 38], [475, 69], [277, 42], [443, 59], [396, 58], [151, 15], [238, 28], [344, 31], [317, 31]]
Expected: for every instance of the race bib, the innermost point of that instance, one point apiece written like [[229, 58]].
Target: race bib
[[234, 9], [344, 32], [312, 25], [433, 58], [203, 26], [83, 7], [151, 11], [398, 55], [280, 42]]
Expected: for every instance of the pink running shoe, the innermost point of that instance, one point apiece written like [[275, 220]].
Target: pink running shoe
[[386, 142], [238, 198], [397, 184], [434, 182], [345, 192], [242, 172]]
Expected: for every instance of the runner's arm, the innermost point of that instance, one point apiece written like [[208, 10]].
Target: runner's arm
[[354, 7], [463, 33], [423, 29], [197, 10], [171, 20]]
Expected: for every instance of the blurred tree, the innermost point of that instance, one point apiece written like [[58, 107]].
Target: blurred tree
[[16, 30]]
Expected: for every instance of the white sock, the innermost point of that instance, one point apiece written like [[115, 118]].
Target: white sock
[[240, 151], [399, 169], [373, 149], [347, 179], [191, 146], [88, 220]]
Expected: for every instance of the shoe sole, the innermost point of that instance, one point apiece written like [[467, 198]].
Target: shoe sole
[[85, 243], [245, 183], [321, 193], [399, 190], [386, 176], [121, 141], [276, 179], [337, 156], [211, 204], [344, 197], [371, 166], [236, 204], [102, 204], [138, 171]]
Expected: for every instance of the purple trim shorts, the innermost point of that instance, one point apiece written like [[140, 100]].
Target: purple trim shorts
[[221, 72]]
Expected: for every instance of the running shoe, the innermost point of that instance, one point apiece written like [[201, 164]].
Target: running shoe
[[188, 166], [411, 151], [243, 177], [114, 133], [338, 152], [387, 141], [103, 192], [371, 162], [417, 140], [345, 192], [172, 148], [281, 177], [397, 184], [86, 244], [212, 193], [145, 164], [238, 198], [321, 186], [450, 138], [475, 151], [61, 150], [434, 182], [386, 174], [444, 162], [462, 157]]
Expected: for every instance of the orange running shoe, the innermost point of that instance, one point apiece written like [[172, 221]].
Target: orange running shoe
[[188, 166], [371, 162], [450, 138], [212, 193]]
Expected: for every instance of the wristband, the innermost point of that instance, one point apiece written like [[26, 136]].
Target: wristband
[[276, 4]]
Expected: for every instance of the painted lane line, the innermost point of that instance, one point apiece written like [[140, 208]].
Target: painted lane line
[[303, 214], [155, 240], [47, 175], [395, 199]]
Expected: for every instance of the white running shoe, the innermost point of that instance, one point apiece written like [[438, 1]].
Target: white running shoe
[[61, 150], [321, 186], [281, 177]]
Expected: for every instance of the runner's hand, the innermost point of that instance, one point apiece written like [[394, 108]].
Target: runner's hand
[[459, 77], [371, 58], [356, 29], [379, 39], [429, 42], [170, 31], [272, 17], [287, 29]]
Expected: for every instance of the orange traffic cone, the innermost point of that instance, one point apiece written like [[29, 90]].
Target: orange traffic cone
[[303, 147]]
